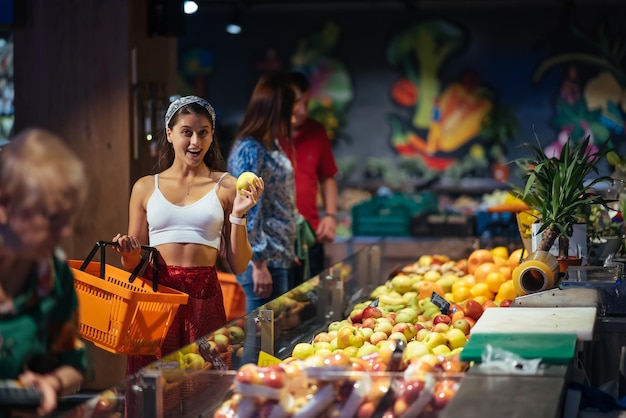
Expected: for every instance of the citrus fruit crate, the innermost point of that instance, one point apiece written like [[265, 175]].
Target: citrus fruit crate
[[390, 216], [121, 312]]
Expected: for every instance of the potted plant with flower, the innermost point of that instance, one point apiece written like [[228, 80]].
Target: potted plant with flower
[[560, 190]]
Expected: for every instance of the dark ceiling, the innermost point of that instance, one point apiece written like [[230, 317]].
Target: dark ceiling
[[405, 3]]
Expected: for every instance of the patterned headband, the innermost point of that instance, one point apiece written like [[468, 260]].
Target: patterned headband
[[177, 104]]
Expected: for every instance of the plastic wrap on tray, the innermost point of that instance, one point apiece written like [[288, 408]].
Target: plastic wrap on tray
[[300, 391]]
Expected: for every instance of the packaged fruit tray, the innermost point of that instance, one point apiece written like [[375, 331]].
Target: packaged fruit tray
[[301, 389], [320, 391]]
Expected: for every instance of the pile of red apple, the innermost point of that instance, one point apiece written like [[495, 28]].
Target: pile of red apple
[[336, 385]]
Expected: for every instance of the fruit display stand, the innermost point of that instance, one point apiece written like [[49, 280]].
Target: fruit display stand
[[282, 360], [191, 380]]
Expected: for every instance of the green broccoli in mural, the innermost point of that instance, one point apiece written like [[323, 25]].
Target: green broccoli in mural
[[421, 51]]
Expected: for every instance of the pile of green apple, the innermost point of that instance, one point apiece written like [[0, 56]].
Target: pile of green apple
[[402, 309], [418, 323], [187, 358], [201, 354]]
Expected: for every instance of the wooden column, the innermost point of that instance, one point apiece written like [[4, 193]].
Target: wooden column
[[73, 77]]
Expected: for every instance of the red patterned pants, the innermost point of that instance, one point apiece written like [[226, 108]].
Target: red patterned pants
[[203, 313]]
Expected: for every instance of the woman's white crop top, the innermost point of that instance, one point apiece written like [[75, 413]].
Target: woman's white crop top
[[198, 223]]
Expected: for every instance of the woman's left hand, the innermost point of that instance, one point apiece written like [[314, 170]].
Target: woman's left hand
[[248, 198]]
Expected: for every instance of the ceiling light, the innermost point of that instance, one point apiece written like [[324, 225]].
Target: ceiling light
[[190, 7], [234, 26]]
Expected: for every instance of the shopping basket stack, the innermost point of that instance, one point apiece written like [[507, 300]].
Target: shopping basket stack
[[120, 311]]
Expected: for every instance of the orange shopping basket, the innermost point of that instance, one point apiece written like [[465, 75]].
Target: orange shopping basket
[[119, 311]]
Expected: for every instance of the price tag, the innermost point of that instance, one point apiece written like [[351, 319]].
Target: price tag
[[443, 304], [211, 355], [374, 303], [266, 359]]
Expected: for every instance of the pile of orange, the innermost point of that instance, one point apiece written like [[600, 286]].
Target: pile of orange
[[489, 276], [478, 257]]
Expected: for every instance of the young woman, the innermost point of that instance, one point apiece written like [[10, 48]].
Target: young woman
[[191, 213], [271, 224]]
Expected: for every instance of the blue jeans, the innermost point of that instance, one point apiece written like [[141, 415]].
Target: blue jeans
[[280, 286]]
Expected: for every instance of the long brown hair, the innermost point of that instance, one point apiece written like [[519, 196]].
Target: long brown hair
[[268, 115]]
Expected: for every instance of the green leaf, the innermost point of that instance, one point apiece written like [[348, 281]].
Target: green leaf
[[558, 187]]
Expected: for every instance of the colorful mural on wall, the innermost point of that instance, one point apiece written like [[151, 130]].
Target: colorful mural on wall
[[592, 98], [446, 118], [427, 97], [331, 84]]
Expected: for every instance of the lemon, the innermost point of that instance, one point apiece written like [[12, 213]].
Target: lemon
[[500, 251], [506, 291]]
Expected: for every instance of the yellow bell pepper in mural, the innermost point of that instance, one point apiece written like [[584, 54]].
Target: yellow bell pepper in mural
[[457, 118]]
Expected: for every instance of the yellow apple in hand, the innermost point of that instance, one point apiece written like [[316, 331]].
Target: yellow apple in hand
[[243, 180]]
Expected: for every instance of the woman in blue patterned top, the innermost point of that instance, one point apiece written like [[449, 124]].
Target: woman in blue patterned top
[[271, 223]]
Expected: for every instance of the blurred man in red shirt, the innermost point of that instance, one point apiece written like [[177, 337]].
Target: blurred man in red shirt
[[315, 171]]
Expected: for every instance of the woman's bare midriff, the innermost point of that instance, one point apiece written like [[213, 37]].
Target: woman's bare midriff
[[188, 255]]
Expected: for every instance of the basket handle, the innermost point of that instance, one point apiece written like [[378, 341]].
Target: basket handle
[[150, 254]]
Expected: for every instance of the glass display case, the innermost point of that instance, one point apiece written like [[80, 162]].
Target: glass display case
[[249, 367], [195, 379]]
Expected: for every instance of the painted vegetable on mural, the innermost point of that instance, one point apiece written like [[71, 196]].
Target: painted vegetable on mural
[[420, 51], [445, 117], [461, 113]]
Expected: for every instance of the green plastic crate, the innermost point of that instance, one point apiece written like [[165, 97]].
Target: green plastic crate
[[390, 216]]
